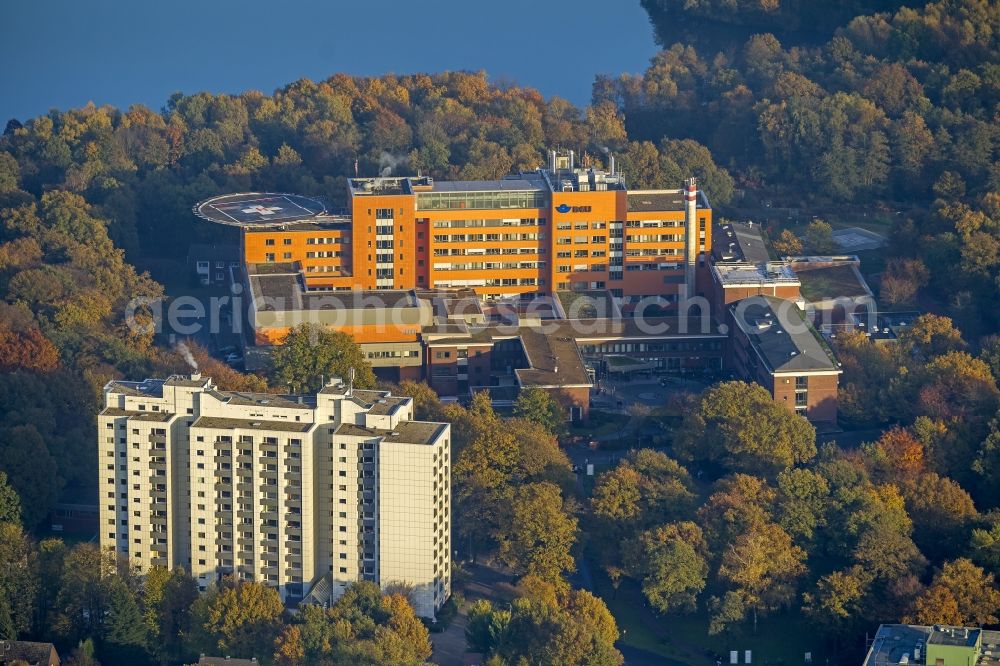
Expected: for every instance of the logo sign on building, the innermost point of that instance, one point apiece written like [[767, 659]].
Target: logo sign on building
[[563, 208]]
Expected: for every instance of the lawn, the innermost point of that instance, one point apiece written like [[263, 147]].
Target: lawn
[[832, 282], [876, 222], [781, 639]]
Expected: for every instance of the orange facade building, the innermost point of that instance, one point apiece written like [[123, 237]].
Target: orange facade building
[[555, 229]]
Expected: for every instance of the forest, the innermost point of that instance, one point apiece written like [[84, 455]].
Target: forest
[[885, 108]]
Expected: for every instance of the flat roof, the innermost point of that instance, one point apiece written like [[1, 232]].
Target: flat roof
[[381, 402], [147, 388], [225, 423], [514, 184], [285, 292], [832, 282], [406, 432], [264, 399], [779, 332], [188, 381], [159, 417], [961, 636], [749, 274], [641, 201], [155, 417], [895, 642], [651, 201], [259, 209]]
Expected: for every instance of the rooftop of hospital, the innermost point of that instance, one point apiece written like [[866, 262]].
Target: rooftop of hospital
[[266, 210], [901, 644], [747, 274], [777, 329]]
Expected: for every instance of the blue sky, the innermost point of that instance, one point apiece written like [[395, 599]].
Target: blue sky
[[61, 54]]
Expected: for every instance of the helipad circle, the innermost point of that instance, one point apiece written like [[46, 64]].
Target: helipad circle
[[259, 209]]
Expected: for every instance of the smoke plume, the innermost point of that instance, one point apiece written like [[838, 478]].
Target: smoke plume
[[388, 162], [188, 356]]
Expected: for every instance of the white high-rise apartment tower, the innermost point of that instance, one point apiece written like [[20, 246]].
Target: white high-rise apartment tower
[[307, 493]]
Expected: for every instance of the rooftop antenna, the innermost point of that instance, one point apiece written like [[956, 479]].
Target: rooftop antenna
[[350, 384]]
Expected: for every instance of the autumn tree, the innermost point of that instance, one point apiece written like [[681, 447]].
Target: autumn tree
[[929, 336], [538, 405], [961, 594], [427, 405], [760, 569], [740, 426], [787, 244], [311, 354], [362, 626], [803, 498], [836, 604], [738, 504], [901, 280], [670, 562], [647, 487], [818, 238], [942, 513], [241, 618], [538, 535], [546, 625]]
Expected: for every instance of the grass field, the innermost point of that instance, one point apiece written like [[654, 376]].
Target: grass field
[[832, 282], [780, 639]]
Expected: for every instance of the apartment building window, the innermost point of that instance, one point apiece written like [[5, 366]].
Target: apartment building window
[[801, 383], [269, 241], [287, 241], [269, 257]]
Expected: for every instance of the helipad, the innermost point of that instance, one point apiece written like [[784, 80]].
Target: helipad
[[259, 209]]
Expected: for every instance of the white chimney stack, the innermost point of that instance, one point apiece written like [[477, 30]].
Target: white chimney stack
[[690, 236]]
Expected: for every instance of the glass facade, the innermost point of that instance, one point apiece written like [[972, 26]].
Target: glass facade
[[480, 200]]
